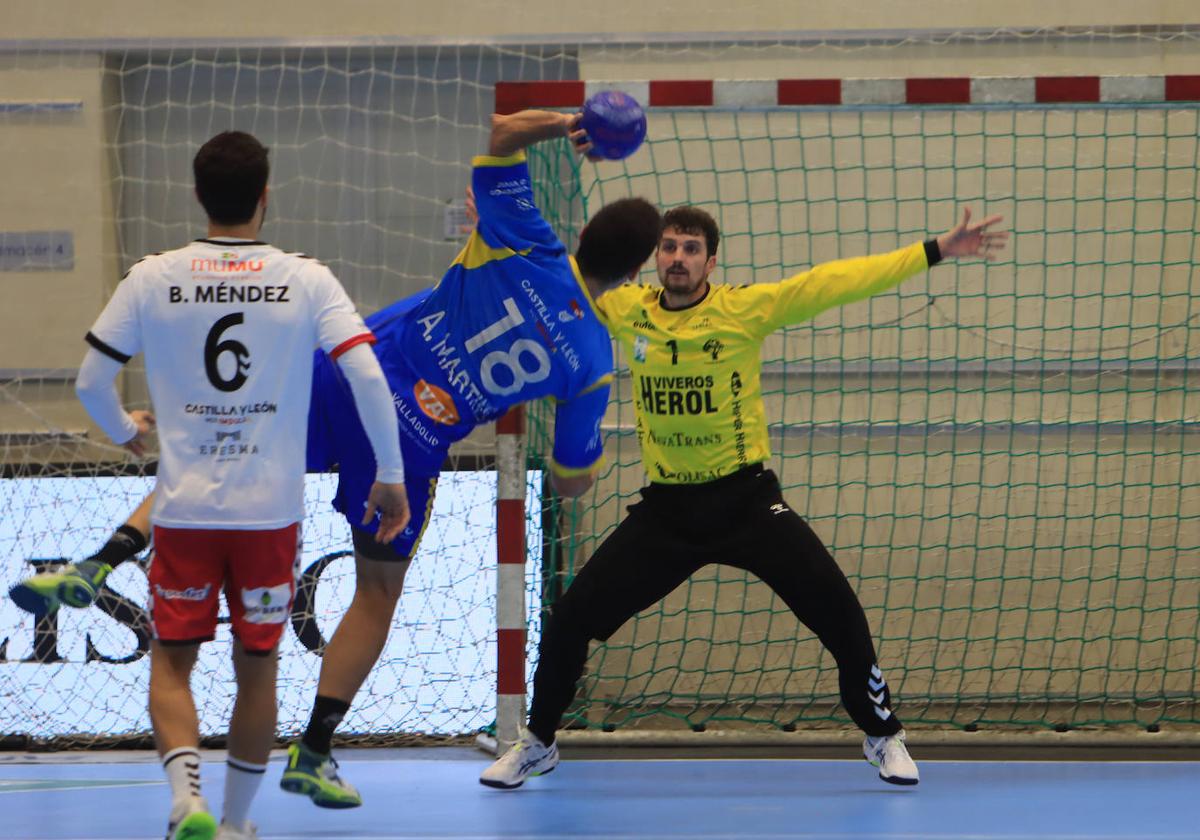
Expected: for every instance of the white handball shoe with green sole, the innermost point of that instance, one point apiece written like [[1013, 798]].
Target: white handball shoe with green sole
[[527, 757], [889, 754]]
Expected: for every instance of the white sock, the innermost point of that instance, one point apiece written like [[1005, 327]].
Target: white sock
[[182, 766], [241, 784]]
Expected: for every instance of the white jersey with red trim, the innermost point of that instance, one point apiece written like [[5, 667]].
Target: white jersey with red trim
[[228, 328]]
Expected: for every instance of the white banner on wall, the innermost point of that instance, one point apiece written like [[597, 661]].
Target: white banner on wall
[[87, 673]]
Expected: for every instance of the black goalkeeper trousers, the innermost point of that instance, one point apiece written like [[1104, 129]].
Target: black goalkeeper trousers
[[740, 520]]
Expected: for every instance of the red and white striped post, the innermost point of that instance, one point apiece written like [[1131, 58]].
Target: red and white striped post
[[510, 583]]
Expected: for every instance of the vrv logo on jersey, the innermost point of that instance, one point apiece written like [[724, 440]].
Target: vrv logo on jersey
[[436, 403]]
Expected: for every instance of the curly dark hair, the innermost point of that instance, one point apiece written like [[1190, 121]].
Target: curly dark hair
[[692, 220], [618, 240]]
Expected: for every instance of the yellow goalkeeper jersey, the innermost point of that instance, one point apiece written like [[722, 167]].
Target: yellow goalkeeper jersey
[[696, 371]]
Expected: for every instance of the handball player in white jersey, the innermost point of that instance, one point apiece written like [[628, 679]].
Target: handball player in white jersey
[[227, 325]]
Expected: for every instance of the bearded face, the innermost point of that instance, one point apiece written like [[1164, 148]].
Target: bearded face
[[683, 264]]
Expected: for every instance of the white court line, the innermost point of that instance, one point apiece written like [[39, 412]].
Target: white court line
[[738, 836], [278, 756], [920, 761], [72, 785]]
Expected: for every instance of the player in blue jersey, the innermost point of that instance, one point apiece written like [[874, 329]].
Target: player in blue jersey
[[511, 320]]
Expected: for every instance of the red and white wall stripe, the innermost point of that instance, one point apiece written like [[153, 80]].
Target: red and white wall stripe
[[782, 93]]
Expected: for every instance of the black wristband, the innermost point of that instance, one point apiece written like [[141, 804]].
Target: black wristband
[[126, 542], [135, 538], [933, 254]]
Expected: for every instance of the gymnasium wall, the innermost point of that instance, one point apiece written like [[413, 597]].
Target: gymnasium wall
[[484, 19], [380, 235]]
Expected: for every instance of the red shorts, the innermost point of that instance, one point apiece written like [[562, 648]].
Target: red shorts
[[256, 568]]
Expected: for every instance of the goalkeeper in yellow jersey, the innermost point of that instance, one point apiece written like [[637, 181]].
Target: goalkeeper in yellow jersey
[[693, 348]]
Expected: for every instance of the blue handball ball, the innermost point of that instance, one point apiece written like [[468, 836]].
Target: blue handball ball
[[615, 124]]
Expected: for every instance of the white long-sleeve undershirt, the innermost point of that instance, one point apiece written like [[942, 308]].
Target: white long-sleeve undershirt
[[96, 387], [373, 398]]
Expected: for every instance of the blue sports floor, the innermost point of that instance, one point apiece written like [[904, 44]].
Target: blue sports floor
[[437, 796]]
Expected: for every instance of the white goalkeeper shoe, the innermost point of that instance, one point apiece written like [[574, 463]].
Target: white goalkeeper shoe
[[889, 754], [527, 757]]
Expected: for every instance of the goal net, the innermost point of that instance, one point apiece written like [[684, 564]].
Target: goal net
[[1002, 457]]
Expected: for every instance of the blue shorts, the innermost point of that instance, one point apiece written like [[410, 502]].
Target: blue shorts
[[336, 437]]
